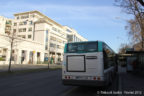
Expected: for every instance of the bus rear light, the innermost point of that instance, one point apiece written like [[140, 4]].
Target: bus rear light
[[65, 77], [98, 78], [94, 78], [69, 77]]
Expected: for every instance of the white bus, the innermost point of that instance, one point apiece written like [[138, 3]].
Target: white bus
[[90, 63]]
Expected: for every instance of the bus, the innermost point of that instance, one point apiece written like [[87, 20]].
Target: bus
[[90, 63]]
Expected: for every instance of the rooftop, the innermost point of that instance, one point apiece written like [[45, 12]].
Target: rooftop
[[35, 11]]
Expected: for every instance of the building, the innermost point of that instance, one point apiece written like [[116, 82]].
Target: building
[[5, 28], [73, 36], [23, 49], [37, 38]]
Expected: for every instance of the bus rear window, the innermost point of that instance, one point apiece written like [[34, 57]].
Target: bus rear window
[[91, 47], [82, 47]]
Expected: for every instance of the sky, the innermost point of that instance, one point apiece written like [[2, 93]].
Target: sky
[[93, 19]]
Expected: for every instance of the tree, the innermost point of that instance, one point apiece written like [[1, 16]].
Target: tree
[[123, 48], [11, 37], [134, 7], [141, 2], [134, 31]]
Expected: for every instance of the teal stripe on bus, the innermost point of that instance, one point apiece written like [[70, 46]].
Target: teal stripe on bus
[[65, 49], [100, 46]]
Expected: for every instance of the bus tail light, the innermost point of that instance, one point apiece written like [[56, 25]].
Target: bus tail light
[[98, 78], [65, 77], [94, 78], [69, 77]]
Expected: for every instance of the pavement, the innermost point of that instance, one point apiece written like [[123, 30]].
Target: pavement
[[17, 67], [130, 83]]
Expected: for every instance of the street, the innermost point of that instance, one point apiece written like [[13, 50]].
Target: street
[[46, 83]]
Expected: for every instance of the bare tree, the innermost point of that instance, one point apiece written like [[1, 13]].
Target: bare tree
[[123, 48], [11, 38], [134, 31], [141, 2], [134, 7]]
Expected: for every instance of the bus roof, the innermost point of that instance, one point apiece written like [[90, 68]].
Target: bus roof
[[84, 42], [89, 42]]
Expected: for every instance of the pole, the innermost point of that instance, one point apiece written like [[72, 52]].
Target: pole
[[142, 43], [9, 68], [48, 64]]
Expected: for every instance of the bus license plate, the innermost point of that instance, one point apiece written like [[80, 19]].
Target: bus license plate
[[81, 78]]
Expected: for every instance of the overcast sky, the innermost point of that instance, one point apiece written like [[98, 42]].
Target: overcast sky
[[93, 19]]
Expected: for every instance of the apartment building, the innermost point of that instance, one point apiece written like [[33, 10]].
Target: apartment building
[[38, 38], [73, 36], [23, 49], [5, 27]]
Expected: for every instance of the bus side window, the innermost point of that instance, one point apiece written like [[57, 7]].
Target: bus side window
[[105, 60], [108, 57]]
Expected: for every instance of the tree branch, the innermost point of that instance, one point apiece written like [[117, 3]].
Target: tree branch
[[141, 2]]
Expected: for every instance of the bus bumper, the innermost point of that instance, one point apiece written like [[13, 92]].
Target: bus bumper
[[84, 83]]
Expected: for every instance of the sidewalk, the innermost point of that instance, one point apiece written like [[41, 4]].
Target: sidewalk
[[16, 67], [130, 82]]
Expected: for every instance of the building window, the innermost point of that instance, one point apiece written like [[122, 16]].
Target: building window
[[24, 22], [23, 36], [59, 31], [22, 30], [14, 30], [30, 29], [54, 29], [15, 24], [20, 23], [64, 42], [30, 22], [68, 30], [59, 47], [52, 45], [25, 16], [70, 38], [8, 28], [52, 38], [58, 40], [32, 16], [8, 22], [46, 40], [29, 36], [18, 17]]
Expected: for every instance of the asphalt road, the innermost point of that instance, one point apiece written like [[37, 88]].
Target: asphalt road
[[46, 83]]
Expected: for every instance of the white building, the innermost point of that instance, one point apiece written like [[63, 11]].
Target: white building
[[73, 36], [38, 38], [22, 48]]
